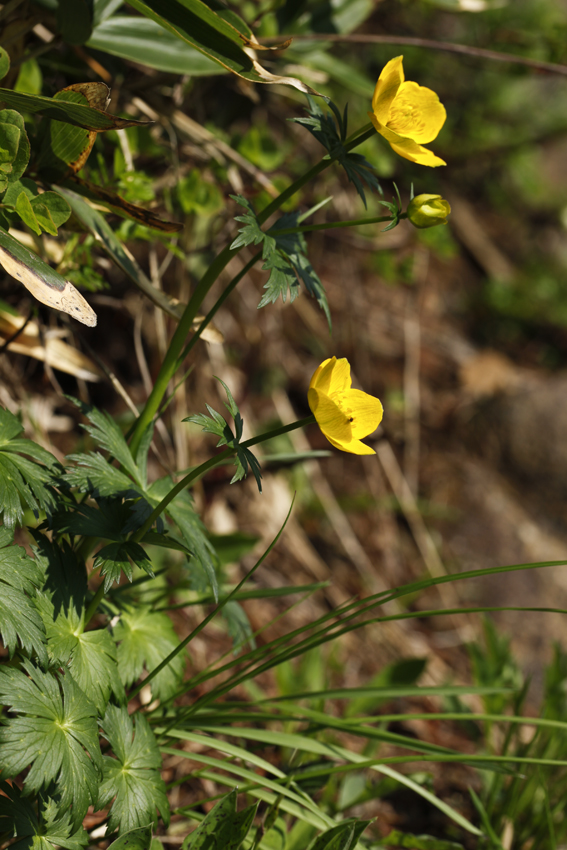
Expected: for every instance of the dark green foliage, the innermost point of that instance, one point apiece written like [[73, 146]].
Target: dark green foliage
[[342, 837], [132, 778], [284, 257], [217, 424], [419, 842], [20, 577], [224, 828], [332, 134], [22, 479], [116, 558], [53, 828], [55, 732]]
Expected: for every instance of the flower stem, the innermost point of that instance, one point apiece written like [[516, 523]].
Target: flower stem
[[328, 225], [95, 602], [176, 346], [217, 460]]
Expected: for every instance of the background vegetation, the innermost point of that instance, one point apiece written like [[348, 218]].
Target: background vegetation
[[333, 684]]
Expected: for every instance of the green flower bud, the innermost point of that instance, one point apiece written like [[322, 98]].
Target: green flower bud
[[428, 210]]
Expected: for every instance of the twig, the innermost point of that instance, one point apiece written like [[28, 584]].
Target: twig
[[17, 333], [412, 403], [430, 44]]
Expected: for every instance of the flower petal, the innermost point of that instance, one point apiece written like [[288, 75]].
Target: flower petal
[[355, 447], [416, 153], [416, 113], [332, 376], [389, 82], [364, 410], [330, 418]]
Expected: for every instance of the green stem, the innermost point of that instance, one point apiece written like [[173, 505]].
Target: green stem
[[171, 359], [95, 602], [329, 225], [220, 301], [219, 459]]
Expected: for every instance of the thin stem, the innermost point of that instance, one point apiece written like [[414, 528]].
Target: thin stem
[[220, 301], [199, 471], [95, 602], [329, 225], [171, 359]]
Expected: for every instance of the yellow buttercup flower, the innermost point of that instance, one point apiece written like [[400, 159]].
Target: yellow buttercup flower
[[428, 210], [344, 415], [406, 114]]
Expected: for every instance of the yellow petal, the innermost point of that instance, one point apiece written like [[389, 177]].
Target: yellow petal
[[365, 412], [389, 82], [416, 113], [316, 374], [422, 156], [355, 447], [332, 376], [330, 419]]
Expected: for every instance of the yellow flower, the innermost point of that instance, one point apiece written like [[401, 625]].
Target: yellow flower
[[406, 114], [428, 210], [344, 415]]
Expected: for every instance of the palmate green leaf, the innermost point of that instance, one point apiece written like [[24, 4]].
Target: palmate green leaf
[[223, 828], [20, 161], [117, 558], [19, 619], [63, 571], [22, 479], [144, 41], [135, 839], [89, 656], [19, 820], [133, 778], [55, 732], [144, 639], [94, 475]]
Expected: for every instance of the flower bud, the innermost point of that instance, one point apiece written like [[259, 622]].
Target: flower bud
[[428, 210]]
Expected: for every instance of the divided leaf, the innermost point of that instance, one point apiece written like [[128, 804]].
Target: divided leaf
[[284, 257], [117, 558], [55, 732], [132, 778], [90, 656], [19, 820], [19, 619], [332, 133], [144, 639]]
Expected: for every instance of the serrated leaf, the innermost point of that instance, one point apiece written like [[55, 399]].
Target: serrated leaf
[[251, 233], [135, 839], [144, 639], [108, 519], [107, 434], [116, 558], [223, 828], [18, 819], [132, 778], [20, 576], [55, 733], [331, 133], [64, 573], [94, 475], [89, 656], [20, 478], [193, 532]]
